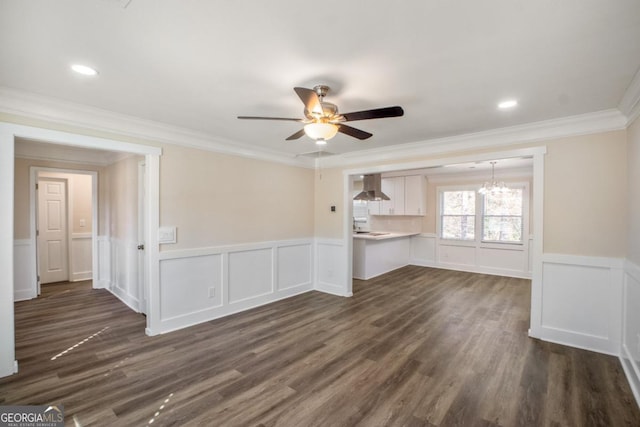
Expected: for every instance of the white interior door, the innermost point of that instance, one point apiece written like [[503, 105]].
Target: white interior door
[[53, 264]]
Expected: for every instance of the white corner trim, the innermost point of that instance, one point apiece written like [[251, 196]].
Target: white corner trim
[[630, 103], [601, 121], [54, 110]]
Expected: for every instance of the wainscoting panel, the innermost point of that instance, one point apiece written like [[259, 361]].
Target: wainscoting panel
[[428, 250], [506, 260], [104, 263], [456, 255], [81, 257], [331, 267], [423, 250], [581, 302], [198, 285], [124, 272], [294, 266], [630, 355], [189, 285], [250, 274], [24, 270]]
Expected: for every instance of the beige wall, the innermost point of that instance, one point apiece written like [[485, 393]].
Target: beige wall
[[328, 192], [584, 195], [213, 199], [633, 159], [80, 184], [216, 199], [121, 179]]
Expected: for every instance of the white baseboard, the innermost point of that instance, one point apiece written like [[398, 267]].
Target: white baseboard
[[330, 288], [630, 354], [22, 295], [195, 318], [631, 372], [472, 269], [80, 276], [128, 300]]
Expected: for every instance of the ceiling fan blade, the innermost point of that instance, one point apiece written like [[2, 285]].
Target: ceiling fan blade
[[356, 133], [296, 135], [310, 99], [268, 118], [377, 113]]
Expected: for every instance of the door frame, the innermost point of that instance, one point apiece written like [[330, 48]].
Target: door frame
[[8, 133], [33, 218], [143, 305], [536, 153]]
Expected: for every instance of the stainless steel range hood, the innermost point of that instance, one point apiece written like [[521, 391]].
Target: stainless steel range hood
[[372, 189]]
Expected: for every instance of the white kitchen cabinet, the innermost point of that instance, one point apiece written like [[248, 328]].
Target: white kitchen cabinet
[[394, 188], [406, 194], [414, 195]]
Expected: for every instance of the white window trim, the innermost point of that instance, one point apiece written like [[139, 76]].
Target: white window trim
[[478, 242], [455, 242], [525, 220]]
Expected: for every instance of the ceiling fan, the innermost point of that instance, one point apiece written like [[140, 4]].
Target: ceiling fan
[[322, 120]]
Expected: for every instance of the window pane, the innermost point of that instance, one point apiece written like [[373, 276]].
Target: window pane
[[460, 227], [502, 229], [507, 203], [458, 202]]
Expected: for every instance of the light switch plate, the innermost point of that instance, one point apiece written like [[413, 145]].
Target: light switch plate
[[167, 235]]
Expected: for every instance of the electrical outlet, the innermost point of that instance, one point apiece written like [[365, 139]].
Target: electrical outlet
[[212, 292]]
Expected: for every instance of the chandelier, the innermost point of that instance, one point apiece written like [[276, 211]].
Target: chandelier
[[494, 186]]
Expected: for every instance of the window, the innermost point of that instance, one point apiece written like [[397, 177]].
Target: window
[[502, 216], [458, 214]]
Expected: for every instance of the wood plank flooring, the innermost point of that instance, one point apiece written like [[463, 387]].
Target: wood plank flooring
[[415, 347]]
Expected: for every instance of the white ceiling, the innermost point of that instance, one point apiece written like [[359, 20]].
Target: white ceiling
[[198, 64]]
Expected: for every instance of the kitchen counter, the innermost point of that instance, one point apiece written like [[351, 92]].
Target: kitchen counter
[[381, 235], [380, 252]]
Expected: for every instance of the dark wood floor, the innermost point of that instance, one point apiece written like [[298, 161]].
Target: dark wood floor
[[415, 347]]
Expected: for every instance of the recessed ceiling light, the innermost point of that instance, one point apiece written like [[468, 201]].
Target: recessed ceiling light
[[84, 70], [507, 104]]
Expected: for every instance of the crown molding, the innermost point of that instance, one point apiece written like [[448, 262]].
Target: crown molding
[[56, 111], [630, 103], [583, 124], [53, 110]]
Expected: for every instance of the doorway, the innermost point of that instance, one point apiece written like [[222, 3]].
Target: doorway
[[64, 219], [536, 153], [51, 231], [18, 254]]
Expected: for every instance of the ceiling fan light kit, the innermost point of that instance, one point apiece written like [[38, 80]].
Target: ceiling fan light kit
[[321, 131], [322, 120]]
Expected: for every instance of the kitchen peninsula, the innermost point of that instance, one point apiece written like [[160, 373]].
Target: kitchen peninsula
[[378, 252]]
